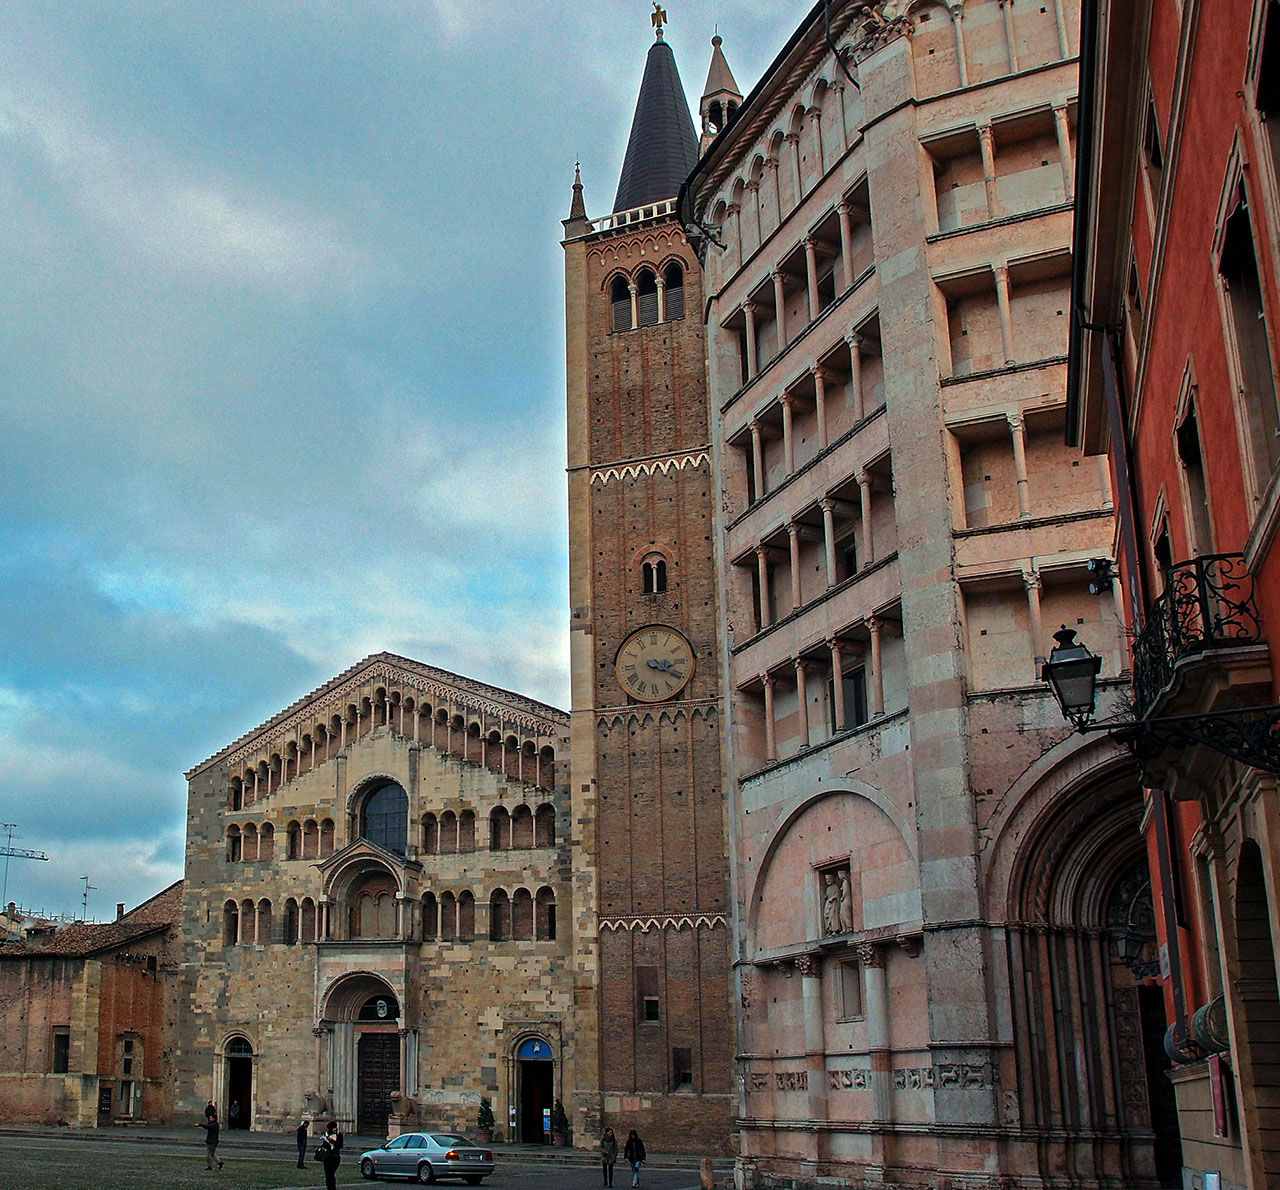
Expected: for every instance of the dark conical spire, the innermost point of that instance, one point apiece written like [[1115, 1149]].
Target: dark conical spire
[[577, 208], [662, 149]]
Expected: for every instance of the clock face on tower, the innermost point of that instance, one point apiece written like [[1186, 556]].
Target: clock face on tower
[[654, 663]]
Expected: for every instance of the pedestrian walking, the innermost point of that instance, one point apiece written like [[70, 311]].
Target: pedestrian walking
[[304, 1129], [634, 1153], [330, 1154], [211, 1130], [608, 1154]]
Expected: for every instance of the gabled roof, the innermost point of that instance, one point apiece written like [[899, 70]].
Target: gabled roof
[[86, 939], [468, 692], [663, 147]]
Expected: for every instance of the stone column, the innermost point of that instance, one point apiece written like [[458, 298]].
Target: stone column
[[661, 283], [811, 275], [1017, 431], [634, 290], [855, 376], [757, 459], [788, 438], [838, 90], [837, 680], [753, 189], [780, 304], [1061, 127], [733, 210], [771, 164], [762, 569], [1006, 314], [1011, 45], [1031, 581], [875, 982], [829, 540], [875, 691], [815, 1042], [987, 144], [957, 24], [820, 403], [864, 493], [793, 534], [802, 697], [753, 365], [846, 242], [1060, 20], [410, 1064], [403, 1034], [770, 728]]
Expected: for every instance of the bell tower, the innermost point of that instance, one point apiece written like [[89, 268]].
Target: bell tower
[[646, 688]]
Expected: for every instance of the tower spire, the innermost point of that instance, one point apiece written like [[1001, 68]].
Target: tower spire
[[663, 148], [721, 97], [577, 222]]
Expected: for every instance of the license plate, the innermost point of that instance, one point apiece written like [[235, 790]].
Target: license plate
[[472, 1157]]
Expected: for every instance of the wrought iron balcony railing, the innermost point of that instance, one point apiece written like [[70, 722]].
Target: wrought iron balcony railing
[[1207, 604]]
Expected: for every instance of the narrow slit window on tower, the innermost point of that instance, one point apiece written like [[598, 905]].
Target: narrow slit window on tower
[[647, 992], [620, 297]]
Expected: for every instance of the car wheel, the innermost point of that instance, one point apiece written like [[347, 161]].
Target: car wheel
[[425, 1174], [366, 1168]]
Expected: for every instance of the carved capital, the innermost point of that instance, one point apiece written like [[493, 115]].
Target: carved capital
[[874, 625], [1031, 580], [869, 954], [1016, 421]]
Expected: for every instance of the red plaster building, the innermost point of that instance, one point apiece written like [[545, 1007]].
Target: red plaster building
[[1174, 372], [85, 1020]]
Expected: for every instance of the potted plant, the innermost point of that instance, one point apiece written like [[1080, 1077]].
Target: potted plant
[[559, 1125], [484, 1122]]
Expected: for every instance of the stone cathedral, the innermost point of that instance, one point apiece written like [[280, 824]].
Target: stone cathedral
[[411, 890]]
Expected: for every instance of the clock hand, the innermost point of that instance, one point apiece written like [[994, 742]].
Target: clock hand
[[654, 663]]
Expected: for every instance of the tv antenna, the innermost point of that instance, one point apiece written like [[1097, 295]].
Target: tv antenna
[[9, 851], [87, 889]]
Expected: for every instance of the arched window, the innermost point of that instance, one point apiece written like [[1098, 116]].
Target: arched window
[[265, 921], [248, 922], [249, 843], [654, 574], [522, 914], [308, 920], [234, 842], [267, 842], [294, 833], [674, 277], [499, 916], [522, 827], [545, 911], [326, 837], [448, 833], [620, 301], [430, 835], [647, 297], [230, 923], [310, 839], [448, 917], [466, 916], [237, 794], [291, 922], [467, 830], [384, 818], [544, 826], [499, 829], [430, 916]]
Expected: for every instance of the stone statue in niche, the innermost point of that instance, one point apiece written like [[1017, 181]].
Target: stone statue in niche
[[837, 902]]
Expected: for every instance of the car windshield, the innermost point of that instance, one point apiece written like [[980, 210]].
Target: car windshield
[[448, 1141]]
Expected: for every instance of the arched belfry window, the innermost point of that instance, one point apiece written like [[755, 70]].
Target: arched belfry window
[[674, 277], [620, 298], [384, 818], [647, 298], [653, 573]]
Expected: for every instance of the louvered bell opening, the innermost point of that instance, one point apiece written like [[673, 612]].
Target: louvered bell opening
[[622, 314], [675, 303], [647, 306]]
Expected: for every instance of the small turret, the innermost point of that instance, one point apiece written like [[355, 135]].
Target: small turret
[[577, 224], [720, 97]]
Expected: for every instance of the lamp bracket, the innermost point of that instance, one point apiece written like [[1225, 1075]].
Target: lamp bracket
[[1250, 735]]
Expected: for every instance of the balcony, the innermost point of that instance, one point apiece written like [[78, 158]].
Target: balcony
[[1202, 640]]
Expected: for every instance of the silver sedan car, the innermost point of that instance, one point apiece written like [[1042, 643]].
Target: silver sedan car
[[428, 1157]]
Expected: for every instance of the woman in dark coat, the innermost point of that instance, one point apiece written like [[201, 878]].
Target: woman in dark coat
[[634, 1153], [608, 1154], [331, 1154]]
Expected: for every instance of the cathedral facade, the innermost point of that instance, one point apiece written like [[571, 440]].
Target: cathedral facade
[[379, 911]]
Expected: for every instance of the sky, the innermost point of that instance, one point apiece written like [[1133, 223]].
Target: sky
[[282, 372]]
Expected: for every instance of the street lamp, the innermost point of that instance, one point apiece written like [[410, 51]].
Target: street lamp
[[1072, 674], [1247, 734]]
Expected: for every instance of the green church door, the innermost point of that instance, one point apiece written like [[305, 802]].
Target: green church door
[[378, 1077]]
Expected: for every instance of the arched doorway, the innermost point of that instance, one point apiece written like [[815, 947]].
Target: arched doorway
[[368, 1055], [535, 1089], [377, 1062], [1258, 1011], [239, 1094]]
